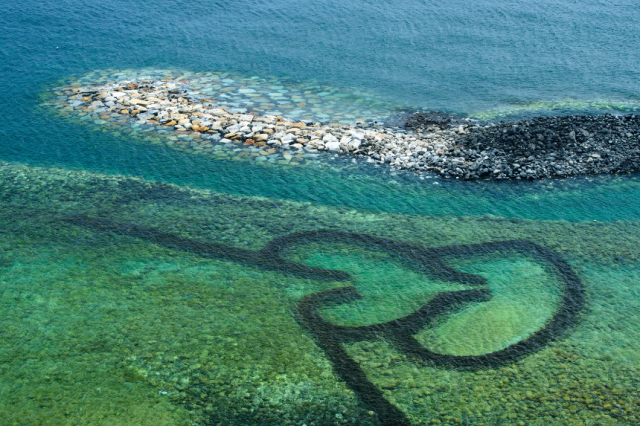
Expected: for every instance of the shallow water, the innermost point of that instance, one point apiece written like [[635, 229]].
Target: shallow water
[[144, 285], [106, 325]]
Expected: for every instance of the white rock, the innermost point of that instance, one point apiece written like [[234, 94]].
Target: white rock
[[333, 145], [288, 138], [354, 143], [234, 129], [329, 138]]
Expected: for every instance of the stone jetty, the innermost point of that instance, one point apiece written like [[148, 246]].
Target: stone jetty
[[425, 143]]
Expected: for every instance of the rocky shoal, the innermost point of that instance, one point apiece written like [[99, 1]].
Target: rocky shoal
[[558, 146], [453, 148]]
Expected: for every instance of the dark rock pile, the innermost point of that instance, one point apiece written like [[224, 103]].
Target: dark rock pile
[[544, 147], [430, 120]]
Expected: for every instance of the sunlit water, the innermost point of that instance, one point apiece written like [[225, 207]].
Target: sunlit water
[[115, 310]]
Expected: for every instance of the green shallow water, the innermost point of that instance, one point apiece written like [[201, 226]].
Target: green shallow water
[[113, 328]]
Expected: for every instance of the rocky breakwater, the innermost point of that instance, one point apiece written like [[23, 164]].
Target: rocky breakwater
[[195, 123], [188, 121], [532, 149], [453, 148]]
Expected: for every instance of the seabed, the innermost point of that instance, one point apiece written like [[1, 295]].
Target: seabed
[[130, 302]]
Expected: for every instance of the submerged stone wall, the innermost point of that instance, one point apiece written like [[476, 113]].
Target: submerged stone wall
[[184, 316]]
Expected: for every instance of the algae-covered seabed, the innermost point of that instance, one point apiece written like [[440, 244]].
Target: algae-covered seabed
[[108, 329]]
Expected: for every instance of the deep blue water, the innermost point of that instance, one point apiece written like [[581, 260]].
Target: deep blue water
[[446, 54], [452, 56]]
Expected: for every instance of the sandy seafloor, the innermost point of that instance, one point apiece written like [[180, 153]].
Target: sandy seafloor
[[100, 328]]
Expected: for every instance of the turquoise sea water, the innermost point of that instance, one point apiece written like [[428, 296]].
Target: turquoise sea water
[[135, 286]]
